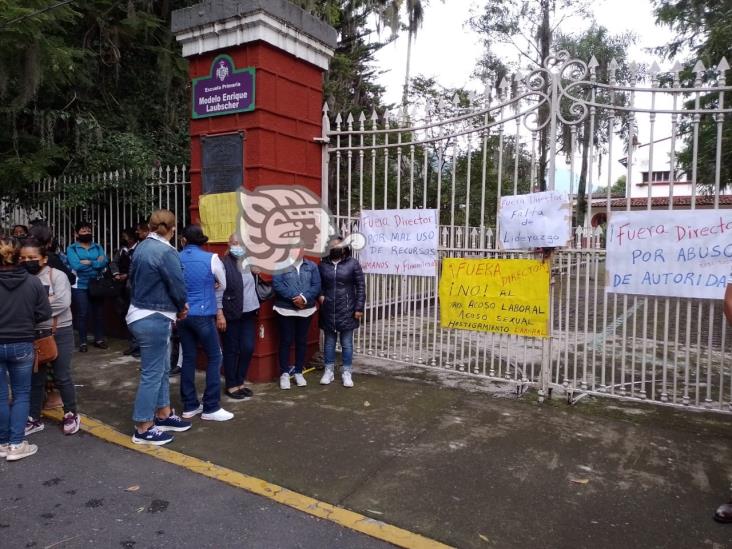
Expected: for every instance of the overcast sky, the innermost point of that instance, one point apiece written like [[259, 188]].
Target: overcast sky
[[447, 49]]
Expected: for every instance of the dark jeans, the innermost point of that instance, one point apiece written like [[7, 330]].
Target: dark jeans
[[61, 368], [87, 310], [16, 363], [192, 331], [293, 328], [238, 348]]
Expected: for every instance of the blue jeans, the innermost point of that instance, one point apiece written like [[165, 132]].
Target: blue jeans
[[16, 362], [329, 346], [194, 330], [87, 310], [238, 348], [293, 328], [153, 393]]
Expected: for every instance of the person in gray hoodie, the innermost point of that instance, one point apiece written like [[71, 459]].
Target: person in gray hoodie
[[34, 257], [23, 305]]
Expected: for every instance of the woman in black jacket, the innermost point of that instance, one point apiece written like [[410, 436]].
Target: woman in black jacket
[[343, 294]]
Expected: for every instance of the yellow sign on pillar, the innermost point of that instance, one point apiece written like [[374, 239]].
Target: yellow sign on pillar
[[219, 215], [505, 296]]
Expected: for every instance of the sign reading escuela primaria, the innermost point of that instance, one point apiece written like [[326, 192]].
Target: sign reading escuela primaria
[[226, 90]]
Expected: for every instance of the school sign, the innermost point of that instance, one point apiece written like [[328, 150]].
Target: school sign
[[226, 90]]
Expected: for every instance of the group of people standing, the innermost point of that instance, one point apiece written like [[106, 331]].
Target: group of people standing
[[35, 300], [210, 301], [204, 295]]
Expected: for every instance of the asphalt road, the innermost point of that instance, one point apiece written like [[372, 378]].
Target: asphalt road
[[83, 492]]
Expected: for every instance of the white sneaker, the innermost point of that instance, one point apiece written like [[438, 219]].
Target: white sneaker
[[192, 413], [218, 415], [300, 380], [285, 381], [347, 379], [328, 376], [20, 451]]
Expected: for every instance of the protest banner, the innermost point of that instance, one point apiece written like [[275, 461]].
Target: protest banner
[[401, 242], [669, 253], [505, 296], [537, 220]]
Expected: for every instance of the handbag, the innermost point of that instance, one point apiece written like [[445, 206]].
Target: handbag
[[45, 347], [104, 286], [263, 288]]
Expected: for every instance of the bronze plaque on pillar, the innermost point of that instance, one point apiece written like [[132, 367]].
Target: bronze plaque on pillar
[[222, 163]]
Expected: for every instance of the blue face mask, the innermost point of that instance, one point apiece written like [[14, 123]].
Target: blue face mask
[[236, 251]]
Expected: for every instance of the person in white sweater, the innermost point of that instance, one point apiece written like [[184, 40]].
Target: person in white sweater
[[33, 257]]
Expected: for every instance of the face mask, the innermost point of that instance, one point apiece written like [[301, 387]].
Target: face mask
[[84, 238], [236, 251], [33, 267], [336, 253]]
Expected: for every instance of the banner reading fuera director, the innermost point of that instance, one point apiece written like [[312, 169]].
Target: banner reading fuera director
[[669, 253]]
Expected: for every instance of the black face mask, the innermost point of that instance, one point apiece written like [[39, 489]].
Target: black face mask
[[84, 238], [33, 267], [336, 254]]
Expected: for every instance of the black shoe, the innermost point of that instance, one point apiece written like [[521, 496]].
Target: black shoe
[[236, 395], [175, 371], [724, 513], [101, 344], [131, 351], [246, 391], [83, 348]]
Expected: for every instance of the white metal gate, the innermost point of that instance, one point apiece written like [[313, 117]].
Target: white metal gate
[[115, 206], [661, 350]]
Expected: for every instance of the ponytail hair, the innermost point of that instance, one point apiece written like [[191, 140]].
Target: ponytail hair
[[9, 251], [161, 222]]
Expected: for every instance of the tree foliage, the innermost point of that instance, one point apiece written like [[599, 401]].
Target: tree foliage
[[701, 31], [89, 86]]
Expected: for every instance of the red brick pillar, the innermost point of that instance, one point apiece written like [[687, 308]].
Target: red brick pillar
[[286, 51]]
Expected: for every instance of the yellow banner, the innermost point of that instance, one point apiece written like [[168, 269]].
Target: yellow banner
[[219, 215], [505, 296]]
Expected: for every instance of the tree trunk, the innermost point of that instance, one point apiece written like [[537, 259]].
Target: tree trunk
[[545, 109], [582, 185], [405, 91]]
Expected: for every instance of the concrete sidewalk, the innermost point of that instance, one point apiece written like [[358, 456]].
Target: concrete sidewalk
[[459, 460]]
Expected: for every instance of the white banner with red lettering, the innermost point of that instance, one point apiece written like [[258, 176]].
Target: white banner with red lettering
[[674, 253], [400, 242]]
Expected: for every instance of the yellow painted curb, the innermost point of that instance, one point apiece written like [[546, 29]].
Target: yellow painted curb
[[344, 517]]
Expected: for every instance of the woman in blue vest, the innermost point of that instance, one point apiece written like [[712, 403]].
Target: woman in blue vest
[[205, 284], [240, 306], [88, 260], [296, 292]]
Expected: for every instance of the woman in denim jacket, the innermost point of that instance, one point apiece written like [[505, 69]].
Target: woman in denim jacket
[[296, 292], [157, 299]]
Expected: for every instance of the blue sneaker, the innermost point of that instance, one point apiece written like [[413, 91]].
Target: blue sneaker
[[172, 423], [153, 436]]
